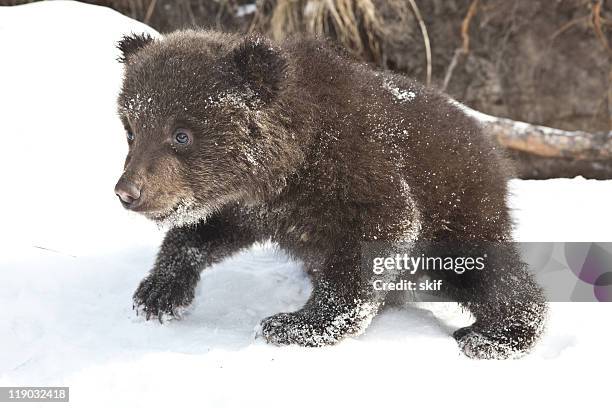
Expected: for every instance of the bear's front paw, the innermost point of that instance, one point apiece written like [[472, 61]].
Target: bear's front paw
[[477, 345], [162, 295], [297, 328]]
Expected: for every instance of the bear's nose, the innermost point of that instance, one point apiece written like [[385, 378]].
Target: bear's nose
[[128, 193]]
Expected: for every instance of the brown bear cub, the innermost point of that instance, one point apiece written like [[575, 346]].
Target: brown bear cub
[[234, 140]]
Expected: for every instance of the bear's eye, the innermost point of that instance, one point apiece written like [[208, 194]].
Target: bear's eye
[[129, 135], [182, 137]]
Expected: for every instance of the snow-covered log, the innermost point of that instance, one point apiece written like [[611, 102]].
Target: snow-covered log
[[542, 152]]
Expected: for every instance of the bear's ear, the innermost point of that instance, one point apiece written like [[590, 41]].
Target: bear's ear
[[129, 44], [261, 67]]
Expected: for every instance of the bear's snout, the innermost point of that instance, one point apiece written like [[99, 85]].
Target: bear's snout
[[128, 193]]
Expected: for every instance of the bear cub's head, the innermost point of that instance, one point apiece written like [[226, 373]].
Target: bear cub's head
[[201, 116]]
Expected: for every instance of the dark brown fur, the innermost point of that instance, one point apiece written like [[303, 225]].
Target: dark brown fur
[[296, 143]]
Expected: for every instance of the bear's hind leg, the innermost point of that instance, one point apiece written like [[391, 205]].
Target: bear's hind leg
[[508, 304]]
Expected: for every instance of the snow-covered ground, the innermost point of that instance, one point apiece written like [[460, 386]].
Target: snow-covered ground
[[71, 257]]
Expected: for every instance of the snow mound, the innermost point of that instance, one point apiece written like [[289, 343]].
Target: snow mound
[[71, 258], [63, 144]]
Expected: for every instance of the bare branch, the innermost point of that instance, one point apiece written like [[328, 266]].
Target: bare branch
[[544, 152]]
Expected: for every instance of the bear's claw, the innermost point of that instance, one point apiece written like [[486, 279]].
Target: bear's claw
[[164, 298]]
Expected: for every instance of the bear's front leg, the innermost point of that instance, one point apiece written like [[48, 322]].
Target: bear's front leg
[[185, 251], [340, 305]]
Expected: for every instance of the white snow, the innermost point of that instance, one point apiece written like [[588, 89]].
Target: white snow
[[66, 309], [398, 93], [246, 9]]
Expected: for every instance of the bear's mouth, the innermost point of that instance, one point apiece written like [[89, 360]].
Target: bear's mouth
[[161, 216], [157, 216], [181, 214]]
